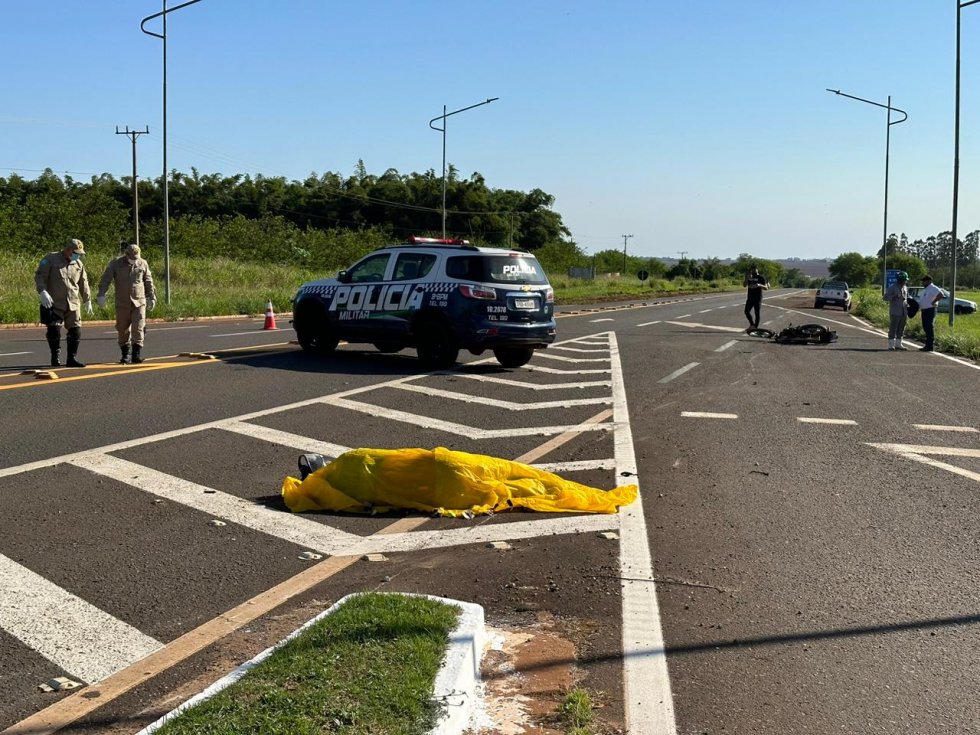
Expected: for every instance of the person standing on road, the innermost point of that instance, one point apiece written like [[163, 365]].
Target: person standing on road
[[931, 293], [756, 283], [62, 285], [898, 311], [135, 296]]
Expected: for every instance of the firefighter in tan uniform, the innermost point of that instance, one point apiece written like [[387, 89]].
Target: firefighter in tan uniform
[[62, 285], [135, 296]]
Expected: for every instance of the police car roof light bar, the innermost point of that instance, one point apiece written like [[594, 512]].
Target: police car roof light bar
[[437, 241]]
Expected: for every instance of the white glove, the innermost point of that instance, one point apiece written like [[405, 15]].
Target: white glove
[[150, 303], [88, 306], [101, 300], [46, 300]]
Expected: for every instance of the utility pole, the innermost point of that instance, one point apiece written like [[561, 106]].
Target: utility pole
[[682, 253], [625, 238], [133, 135]]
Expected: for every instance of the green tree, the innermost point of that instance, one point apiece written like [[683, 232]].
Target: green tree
[[856, 269]]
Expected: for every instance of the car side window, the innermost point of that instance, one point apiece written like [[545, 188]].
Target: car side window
[[369, 270], [410, 266]]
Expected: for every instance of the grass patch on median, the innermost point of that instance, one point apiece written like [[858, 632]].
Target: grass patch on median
[[368, 667], [963, 339]]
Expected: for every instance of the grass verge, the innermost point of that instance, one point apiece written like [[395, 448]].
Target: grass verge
[[369, 667], [962, 339]]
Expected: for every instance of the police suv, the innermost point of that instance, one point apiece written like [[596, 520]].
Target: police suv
[[438, 296]]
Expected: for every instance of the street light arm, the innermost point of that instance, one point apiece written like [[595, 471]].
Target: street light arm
[[877, 104], [464, 109], [157, 15]]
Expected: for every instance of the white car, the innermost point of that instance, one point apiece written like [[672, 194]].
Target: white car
[[963, 306], [833, 293]]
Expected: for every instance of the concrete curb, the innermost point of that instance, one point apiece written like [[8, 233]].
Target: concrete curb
[[455, 685]]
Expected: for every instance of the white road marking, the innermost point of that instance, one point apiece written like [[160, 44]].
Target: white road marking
[[607, 319], [497, 403], [707, 326], [286, 439], [917, 453], [578, 466], [648, 699], [576, 349], [274, 522], [683, 316], [571, 359], [11, 354], [708, 415], [647, 324], [680, 371], [74, 635], [556, 371], [253, 333], [705, 311], [937, 427], [838, 422], [727, 345], [533, 386], [451, 427]]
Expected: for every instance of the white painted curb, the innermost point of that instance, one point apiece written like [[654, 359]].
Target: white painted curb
[[455, 685]]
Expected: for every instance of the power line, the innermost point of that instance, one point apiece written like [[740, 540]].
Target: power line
[[133, 135]]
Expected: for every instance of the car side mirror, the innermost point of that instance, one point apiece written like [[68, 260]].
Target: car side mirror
[[343, 277]]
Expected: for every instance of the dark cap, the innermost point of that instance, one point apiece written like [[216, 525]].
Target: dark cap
[[926, 277]]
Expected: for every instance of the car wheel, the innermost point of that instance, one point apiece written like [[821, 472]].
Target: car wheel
[[958, 309], [437, 348], [818, 304], [513, 357], [313, 330]]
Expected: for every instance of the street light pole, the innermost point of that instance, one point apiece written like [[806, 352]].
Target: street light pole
[[443, 117], [956, 157], [625, 238], [166, 177], [888, 128]]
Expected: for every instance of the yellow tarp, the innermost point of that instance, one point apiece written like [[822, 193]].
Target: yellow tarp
[[442, 481]]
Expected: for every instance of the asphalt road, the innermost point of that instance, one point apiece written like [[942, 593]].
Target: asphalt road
[[807, 516]]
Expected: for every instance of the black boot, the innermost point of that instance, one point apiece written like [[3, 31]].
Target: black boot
[[74, 337], [124, 349], [137, 358], [54, 342]]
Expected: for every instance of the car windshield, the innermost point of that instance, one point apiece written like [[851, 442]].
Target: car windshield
[[839, 285], [497, 269]]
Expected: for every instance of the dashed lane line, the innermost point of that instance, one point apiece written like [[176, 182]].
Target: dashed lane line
[[727, 345], [677, 373], [815, 420], [647, 324], [607, 319], [12, 354], [71, 633], [938, 427], [682, 316], [708, 415]]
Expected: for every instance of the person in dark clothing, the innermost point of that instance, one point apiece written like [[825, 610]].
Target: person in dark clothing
[[755, 283]]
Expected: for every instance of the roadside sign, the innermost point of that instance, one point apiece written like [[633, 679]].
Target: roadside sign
[[891, 276], [643, 275]]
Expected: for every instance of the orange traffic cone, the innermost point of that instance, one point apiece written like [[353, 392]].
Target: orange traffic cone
[[270, 317]]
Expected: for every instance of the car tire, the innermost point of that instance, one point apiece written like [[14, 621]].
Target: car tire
[[513, 357], [313, 330], [958, 309], [436, 346], [818, 304]]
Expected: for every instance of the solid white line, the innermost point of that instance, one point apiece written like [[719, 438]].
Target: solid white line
[[571, 359], [648, 700], [286, 439], [288, 526], [556, 371], [11, 354], [253, 333], [937, 427], [647, 324], [533, 386], [471, 432], [708, 415], [74, 635], [838, 422], [727, 345], [680, 371], [497, 403]]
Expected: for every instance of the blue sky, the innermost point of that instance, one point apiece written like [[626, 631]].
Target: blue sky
[[697, 126]]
